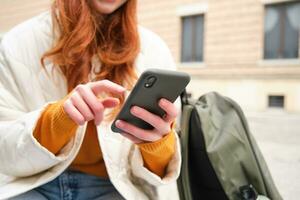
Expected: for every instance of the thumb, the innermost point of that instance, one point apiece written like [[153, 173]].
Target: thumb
[[110, 102]]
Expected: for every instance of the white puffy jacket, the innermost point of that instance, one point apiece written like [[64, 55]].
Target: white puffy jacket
[[26, 89]]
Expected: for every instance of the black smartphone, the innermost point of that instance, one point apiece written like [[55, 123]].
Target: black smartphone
[[152, 85]]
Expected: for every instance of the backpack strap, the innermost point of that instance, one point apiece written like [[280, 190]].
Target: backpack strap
[[184, 97]]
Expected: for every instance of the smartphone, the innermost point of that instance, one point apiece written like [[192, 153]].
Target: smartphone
[[152, 85]]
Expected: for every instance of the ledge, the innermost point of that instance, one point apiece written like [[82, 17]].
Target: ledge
[[292, 73], [266, 2], [279, 62], [191, 65], [192, 9]]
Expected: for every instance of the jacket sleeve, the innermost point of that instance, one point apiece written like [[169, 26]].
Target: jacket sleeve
[[159, 56], [20, 153], [172, 171]]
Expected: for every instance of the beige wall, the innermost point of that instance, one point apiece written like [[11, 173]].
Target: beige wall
[[13, 12], [251, 94], [233, 50], [233, 30]]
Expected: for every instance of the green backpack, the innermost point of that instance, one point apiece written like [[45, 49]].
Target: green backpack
[[220, 158]]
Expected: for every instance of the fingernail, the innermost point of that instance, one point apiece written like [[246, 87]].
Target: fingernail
[[162, 102], [119, 123], [135, 109]]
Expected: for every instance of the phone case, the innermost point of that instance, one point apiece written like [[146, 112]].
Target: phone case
[[152, 85]]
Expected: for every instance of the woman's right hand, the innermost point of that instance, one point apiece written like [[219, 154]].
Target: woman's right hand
[[83, 105]]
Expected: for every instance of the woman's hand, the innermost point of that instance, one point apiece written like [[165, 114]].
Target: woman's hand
[[83, 105], [162, 126]]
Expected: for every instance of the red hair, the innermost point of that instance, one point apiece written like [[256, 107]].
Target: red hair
[[83, 34]]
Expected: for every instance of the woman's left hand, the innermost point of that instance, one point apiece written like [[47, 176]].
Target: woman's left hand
[[162, 126]]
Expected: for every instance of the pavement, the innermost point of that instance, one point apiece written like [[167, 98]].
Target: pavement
[[278, 136]]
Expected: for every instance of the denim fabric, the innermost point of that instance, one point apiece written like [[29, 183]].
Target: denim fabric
[[72, 185]]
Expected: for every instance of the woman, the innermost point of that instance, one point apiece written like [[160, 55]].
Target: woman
[[55, 115]]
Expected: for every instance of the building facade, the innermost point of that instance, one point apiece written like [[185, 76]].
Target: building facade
[[13, 12], [247, 50]]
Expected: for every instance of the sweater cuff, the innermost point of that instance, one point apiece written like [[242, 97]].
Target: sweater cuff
[[159, 146], [54, 128], [60, 118], [157, 155]]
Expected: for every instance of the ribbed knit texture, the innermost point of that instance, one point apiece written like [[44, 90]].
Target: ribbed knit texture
[[54, 128], [157, 154]]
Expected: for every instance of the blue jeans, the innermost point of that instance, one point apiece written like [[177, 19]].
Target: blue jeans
[[71, 185]]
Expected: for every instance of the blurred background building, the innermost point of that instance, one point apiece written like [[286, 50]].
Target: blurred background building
[[245, 49], [248, 50]]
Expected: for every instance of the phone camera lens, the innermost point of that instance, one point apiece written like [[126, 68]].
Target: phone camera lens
[[150, 81]]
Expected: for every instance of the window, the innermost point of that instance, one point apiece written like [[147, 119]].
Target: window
[[192, 38], [276, 101], [282, 22]]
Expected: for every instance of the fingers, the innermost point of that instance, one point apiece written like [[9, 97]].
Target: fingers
[[110, 102], [84, 105], [92, 101], [73, 113], [141, 134], [169, 108], [81, 106], [106, 86], [162, 126], [154, 120]]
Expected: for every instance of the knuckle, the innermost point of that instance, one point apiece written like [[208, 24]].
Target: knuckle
[[175, 112], [104, 82], [80, 120], [168, 129], [141, 136], [66, 104], [73, 98], [88, 117], [165, 129], [80, 87]]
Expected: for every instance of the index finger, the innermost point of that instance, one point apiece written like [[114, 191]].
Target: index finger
[[169, 108], [107, 86]]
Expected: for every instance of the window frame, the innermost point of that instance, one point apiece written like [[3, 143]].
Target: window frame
[[275, 104], [193, 17], [282, 22]]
